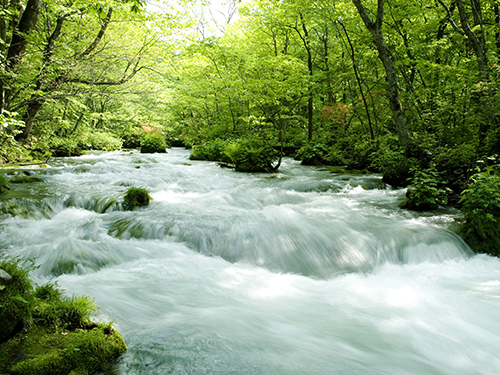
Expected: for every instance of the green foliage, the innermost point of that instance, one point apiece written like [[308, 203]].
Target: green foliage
[[481, 210], [456, 163], [251, 155], [63, 147], [312, 154], [136, 197], [391, 161], [426, 191], [153, 142], [3, 184], [101, 141], [16, 297], [57, 311], [131, 137], [210, 151], [9, 128], [58, 336]]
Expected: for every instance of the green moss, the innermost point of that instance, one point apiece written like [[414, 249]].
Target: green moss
[[153, 142], [45, 332], [43, 351], [3, 184], [341, 170], [136, 197], [25, 179]]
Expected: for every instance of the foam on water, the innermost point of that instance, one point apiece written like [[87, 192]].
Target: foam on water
[[228, 273]]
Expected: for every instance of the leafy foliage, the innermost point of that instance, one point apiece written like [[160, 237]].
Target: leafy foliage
[[426, 191], [211, 151], [153, 142], [481, 210], [312, 154], [251, 155]]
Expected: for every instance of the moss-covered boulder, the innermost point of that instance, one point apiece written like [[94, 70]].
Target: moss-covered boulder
[[44, 332], [3, 184], [152, 143], [25, 179], [43, 351], [136, 197]]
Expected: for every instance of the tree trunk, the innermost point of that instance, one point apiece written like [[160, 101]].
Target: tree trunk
[[398, 113], [29, 118], [310, 101], [27, 23]]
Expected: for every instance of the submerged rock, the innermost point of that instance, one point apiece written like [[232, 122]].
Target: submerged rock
[[25, 180]]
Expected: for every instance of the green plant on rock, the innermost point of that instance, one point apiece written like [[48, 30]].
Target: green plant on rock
[[102, 141], [481, 210], [210, 151], [426, 191], [395, 167], [153, 142], [131, 138], [55, 310], [312, 154], [16, 297], [58, 337], [3, 184], [136, 197], [251, 155]]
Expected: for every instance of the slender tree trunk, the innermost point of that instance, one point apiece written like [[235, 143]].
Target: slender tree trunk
[[398, 113], [310, 100], [358, 80]]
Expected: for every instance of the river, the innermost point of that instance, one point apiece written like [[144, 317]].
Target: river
[[300, 272]]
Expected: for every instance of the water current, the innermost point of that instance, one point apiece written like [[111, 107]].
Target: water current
[[299, 272]]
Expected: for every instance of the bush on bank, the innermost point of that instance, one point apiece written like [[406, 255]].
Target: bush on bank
[[481, 210], [247, 154], [44, 332]]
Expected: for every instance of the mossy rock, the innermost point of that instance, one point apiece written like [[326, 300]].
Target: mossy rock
[[342, 170], [43, 351], [3, 184], [136, 197], [25, 179]]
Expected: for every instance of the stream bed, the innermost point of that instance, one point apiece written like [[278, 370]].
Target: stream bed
[[298, 272]]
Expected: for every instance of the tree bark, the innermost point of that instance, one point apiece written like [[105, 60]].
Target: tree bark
[[398, 113], [19, 41]]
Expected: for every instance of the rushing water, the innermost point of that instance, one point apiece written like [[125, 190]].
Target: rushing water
[[301, 272]]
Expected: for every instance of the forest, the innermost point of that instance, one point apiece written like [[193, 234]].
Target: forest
[[408, 89]]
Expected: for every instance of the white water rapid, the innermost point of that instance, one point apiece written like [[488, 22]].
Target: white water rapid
[[301, 272]]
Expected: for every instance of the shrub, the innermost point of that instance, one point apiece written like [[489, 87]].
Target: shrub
[[456, 163], [312, 154], [153, 142], [395, 167], [67, 147], [210, 151], [136, 197], [131, 138], [426, 191], [103, 141], [251, 155], [481, 210]]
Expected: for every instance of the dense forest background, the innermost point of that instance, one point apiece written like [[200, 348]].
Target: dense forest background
[[405, 88]]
